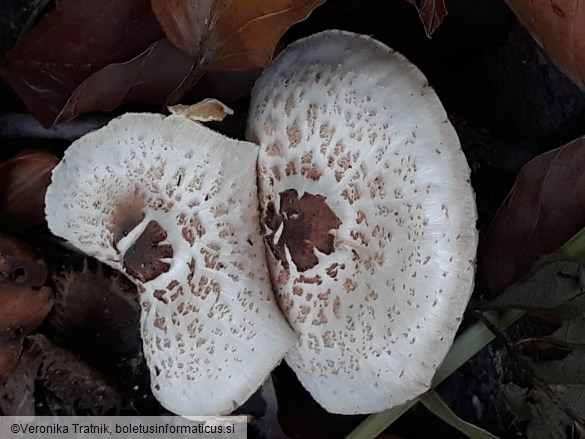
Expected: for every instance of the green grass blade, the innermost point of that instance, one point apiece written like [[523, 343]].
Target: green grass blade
[[437, 406], [375, 424], [574, 248], [469, 343]]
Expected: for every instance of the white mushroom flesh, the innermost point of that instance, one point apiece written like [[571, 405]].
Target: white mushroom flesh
[[368, 216], [174, 206]]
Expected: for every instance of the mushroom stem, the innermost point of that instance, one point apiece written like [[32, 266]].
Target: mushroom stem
[[127, 241]]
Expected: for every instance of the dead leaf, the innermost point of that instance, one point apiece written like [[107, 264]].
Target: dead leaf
[[145, 79], [545, 208], [186, 22], [552, 290], [89, 34], [205, 111], [542, 416], [555, 364], [431, 13], [563, 381], [228, 35], [25, 300], [24, 179], [68, 65], [559, 27], [60, 93], [572, 331], [70, 45]]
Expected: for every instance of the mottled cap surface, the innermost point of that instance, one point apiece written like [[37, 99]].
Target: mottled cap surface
[[173, 205], [368, 216]]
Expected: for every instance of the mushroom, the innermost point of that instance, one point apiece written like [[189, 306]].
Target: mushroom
[[173, 205], [368, 217]]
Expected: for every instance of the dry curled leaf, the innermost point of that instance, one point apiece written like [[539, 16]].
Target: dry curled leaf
[[24, 298], [68, 64], [559, 27], [23, 182], [545, 208], [555, 362], [431, 13], [553, 291], [185, 22], [206, 110], [228, 35], [146, 78], [535, 409]]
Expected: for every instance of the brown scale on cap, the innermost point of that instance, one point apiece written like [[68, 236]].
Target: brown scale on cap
[[307, 224], [143, 258]]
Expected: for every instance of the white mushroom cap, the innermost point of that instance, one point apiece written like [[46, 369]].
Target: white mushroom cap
[[369, 217], [174, 206]]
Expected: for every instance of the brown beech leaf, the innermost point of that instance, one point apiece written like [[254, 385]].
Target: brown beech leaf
[[149, 78], [228, 35], [75, 42], [431, 13], [68, 65], [559, 27], [24, 298], [185, 22], [23, 182], [72, 30], [545, 208]]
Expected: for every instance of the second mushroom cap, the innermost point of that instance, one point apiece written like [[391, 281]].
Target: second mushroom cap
[[173, 205], [368, 216]]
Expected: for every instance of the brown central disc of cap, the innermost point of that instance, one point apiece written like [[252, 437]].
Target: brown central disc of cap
[[307, 223], [143, 259], [128, 214]]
